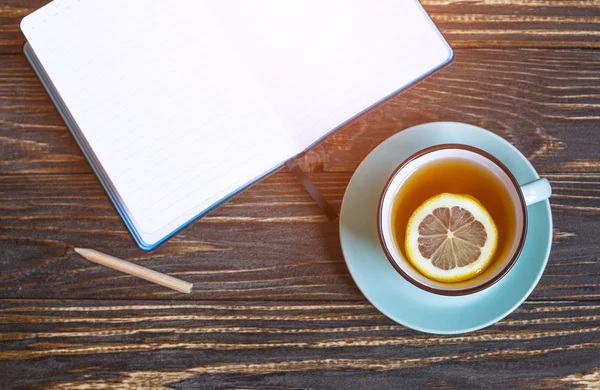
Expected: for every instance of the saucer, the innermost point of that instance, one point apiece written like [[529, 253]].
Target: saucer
[[389, 292]]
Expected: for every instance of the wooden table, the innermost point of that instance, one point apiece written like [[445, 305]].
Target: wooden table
[[274, 306]]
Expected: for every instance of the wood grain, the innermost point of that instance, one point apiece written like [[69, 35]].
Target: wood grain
[[33, 136], [465, 23], [546, 102], [90, 344], [270, 242], [11, 13], [273, 305], [517, 23]]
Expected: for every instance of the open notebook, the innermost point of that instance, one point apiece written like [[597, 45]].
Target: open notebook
[[179, 107]]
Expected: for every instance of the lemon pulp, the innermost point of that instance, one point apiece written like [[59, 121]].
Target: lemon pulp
[[451, 238]]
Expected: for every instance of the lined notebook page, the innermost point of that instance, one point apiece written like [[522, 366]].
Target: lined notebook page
[[164, 99], [322, 62]]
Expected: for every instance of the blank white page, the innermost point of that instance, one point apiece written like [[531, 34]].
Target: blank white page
[[165, 101], [322, 62]]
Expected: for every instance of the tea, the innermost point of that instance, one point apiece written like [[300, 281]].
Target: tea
[[458, 176]]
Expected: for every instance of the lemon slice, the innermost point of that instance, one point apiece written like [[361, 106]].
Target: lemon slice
[[451, 238]]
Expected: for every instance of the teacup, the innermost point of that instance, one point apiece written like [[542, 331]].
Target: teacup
[[520, 197]]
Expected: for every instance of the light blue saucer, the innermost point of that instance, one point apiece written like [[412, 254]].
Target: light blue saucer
[[385, 288]]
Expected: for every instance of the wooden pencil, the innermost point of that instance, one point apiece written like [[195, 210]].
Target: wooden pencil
[[135, 270]]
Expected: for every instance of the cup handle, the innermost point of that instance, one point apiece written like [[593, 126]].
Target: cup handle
[[536, 191]]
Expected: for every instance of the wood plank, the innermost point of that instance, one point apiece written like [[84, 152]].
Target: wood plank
[[546, 102], [87, 344], [11, 13], [517, 23], [271, 242], [274, 305], [33, 136], [465, 23]]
